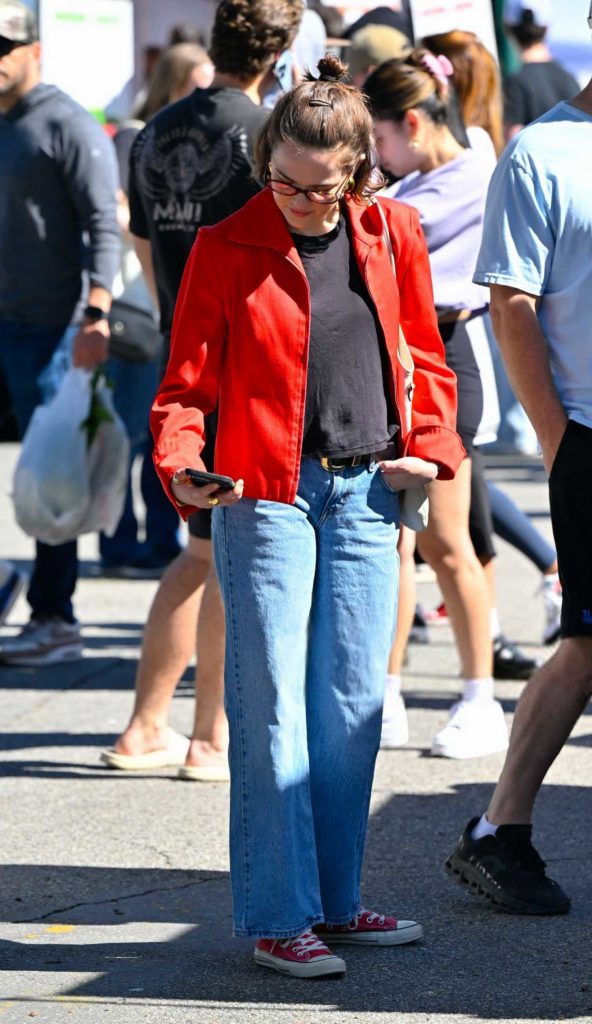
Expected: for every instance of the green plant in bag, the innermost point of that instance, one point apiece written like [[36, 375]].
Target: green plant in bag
[[97, 412]]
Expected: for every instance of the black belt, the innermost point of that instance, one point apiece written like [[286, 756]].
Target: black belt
[[333, 465]]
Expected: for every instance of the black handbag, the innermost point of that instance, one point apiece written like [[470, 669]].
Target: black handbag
[[134, 333]]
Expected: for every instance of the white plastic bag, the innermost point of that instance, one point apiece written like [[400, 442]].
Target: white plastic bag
[[71, 477], [108, 468]]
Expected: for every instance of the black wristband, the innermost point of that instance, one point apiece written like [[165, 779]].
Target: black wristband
[[95, 313]]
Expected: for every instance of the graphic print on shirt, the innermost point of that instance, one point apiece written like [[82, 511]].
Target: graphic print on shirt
[[181, 169]]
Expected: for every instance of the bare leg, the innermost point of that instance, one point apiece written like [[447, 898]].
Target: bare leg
[[549, 707], [210, 731], [406, 603], [489, 572], [446, 546], [169, 643]]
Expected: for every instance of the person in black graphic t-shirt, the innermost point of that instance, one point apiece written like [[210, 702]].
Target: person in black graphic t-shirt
[[541, 82], [191, 166]]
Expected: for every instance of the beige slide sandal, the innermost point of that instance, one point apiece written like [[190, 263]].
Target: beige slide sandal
[[171, 757], [205, 772]]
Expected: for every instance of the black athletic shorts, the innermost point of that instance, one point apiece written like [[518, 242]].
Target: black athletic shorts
[[460, 357], [200, 523], [570, 492], [480, 519]]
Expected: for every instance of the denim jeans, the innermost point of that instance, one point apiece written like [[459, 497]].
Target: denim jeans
[[310, 593], [134, 387], [25, 351]]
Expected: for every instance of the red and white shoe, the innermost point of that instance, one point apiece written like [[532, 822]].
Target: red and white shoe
[[304, 956], [369, 927], [437, 616]]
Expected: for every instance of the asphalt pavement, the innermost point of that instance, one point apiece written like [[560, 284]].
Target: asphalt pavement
[[114, 893]]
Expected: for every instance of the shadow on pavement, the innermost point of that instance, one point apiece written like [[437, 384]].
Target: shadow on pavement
[[26, 740], [474, 962], [89, 772], [92, 673]]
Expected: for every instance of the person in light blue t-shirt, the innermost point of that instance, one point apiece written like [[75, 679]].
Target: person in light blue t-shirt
[[536, 256]]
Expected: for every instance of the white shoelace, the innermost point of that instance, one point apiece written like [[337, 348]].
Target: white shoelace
[[372, 917], [308, 942]]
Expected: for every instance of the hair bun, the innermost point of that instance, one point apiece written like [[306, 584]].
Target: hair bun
[[331, 69]]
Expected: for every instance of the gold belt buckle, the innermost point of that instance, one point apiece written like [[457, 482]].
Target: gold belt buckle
[[327, 463]]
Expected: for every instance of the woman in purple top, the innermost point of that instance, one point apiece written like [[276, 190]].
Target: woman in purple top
[[447, 183]]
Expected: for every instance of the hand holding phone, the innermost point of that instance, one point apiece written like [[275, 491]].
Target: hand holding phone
[[200, 478], [196, 488]]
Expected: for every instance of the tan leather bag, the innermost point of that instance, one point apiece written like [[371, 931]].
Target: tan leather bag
[[413, 501]]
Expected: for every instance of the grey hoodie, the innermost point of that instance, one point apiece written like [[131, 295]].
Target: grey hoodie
[[58, 221]]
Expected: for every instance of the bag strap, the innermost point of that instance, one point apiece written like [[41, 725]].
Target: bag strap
[[405, 357]]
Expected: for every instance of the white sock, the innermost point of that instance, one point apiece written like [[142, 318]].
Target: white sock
[[393, 684], [494, 623], [483, 828], [478, 689]]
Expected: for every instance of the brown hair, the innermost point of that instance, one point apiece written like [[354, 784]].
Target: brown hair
[[248, 35], [476, 80], [172, 70], [324, 113], [401, 85]]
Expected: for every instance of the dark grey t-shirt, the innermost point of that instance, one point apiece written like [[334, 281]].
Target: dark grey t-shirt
[[535, 89], [348, 409], [58, 218]]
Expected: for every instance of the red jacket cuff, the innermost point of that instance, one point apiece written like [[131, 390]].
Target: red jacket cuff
[[437, 444]]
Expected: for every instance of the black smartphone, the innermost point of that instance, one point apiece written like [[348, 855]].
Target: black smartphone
[[200, 478]]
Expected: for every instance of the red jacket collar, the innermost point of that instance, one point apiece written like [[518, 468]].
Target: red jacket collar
[[260, 223]]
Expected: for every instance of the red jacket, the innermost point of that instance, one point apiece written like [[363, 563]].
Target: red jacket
[[240, 339]]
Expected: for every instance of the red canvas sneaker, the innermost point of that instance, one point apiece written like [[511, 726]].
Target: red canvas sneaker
[[369, 927], [304, 956]]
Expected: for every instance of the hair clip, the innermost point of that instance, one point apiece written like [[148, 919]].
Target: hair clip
[[320, 103], [440, 67]]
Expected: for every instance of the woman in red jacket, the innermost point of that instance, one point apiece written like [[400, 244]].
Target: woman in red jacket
[[288, 319]]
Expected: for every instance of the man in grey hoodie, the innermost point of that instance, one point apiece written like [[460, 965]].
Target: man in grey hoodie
[[59, 250]]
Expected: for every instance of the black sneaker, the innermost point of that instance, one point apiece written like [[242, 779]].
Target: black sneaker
[[509, 662], [419, 630], [506, 869]]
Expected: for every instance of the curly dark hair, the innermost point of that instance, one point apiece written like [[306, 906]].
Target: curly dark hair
[[249, 34]]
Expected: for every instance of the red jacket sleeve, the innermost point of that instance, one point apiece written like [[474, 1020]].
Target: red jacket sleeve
[[433, 435], [189, 390]]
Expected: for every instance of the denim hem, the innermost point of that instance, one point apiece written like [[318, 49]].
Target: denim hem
[[335, 921], [286, 933]]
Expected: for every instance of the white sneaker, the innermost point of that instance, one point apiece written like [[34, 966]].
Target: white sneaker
[[475, 728], [43, 642], [552, 601], [395, 728]]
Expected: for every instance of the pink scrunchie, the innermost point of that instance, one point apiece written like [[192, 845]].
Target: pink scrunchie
[[440, 67]]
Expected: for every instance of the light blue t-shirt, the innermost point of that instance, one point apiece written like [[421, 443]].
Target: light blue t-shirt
[[537, 237]]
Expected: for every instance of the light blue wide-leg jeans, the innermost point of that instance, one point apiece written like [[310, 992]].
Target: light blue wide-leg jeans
[[310, 593]]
